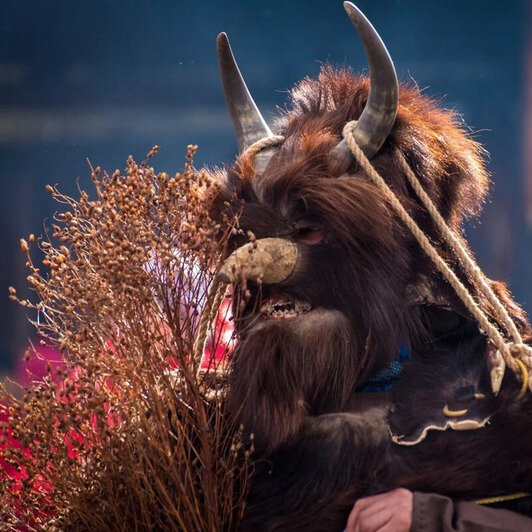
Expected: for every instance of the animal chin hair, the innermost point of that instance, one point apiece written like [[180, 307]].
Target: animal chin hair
[[273, 403]]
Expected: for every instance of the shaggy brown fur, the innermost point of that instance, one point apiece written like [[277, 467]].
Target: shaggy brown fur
[[295, 382]]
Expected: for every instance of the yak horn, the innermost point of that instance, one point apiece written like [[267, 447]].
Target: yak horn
[[269, 259], [378, 116], [247, 120]]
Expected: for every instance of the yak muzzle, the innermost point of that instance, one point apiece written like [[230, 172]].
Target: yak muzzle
[[269, 259]]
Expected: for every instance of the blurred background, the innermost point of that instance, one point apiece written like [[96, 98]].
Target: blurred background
[[106, 78]]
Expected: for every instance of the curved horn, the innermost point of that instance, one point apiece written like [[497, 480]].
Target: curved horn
[[247, 120], [378, 116]]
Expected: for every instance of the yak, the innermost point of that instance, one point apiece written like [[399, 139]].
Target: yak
[[356, 367]]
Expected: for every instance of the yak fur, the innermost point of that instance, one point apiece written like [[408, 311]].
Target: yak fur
[[295, 383]]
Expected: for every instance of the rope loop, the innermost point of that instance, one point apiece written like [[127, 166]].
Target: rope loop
[[521, 351], [217, 289], [208, 317], [262, 144]]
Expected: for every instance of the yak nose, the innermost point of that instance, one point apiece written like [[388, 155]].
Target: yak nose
[[269, 259]]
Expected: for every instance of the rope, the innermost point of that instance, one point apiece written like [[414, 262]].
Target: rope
[[468, 263], [262, 144], [217, 289], [516, 354], [510, 350], [208, 315]]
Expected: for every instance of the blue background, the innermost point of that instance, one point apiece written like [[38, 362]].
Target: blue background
[[104, 79]]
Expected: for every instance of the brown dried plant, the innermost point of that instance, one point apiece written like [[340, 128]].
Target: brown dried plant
[[128, 434]]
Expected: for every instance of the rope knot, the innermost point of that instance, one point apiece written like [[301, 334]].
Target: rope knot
[[521, 351], [518, 356]]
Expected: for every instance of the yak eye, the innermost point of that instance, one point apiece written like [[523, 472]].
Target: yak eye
[[309, 235]]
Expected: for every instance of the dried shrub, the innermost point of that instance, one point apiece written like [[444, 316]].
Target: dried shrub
[[129, 433]]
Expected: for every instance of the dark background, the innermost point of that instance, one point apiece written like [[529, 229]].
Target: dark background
[[107, 78]]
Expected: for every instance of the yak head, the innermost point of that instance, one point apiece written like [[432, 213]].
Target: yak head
[[334, 281]]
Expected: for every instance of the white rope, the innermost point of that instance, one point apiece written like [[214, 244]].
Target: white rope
[[516, 354]]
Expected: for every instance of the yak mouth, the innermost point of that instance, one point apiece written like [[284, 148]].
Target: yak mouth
[[283, 307]]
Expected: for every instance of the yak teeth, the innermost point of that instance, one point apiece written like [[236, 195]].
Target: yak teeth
[[274, 309], [283, 314]]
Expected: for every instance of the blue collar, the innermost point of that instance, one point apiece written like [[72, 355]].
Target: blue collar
[[385, 380]]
